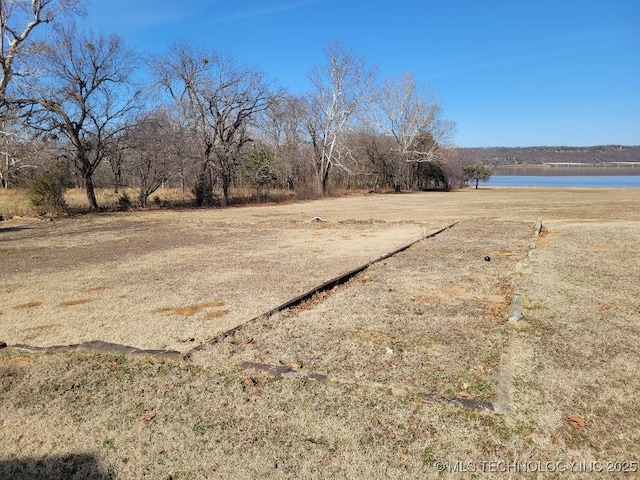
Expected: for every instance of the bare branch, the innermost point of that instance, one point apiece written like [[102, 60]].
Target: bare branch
[[341, 88], [18, 20]]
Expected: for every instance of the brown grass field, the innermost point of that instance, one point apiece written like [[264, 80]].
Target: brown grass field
[[409, 370]]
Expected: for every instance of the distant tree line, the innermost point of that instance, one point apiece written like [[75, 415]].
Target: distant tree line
[[600, 154], [70, 106]]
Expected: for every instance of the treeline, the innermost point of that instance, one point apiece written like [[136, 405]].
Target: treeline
[[539, 155], [71, 107]]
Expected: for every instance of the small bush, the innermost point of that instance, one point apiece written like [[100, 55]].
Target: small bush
[[307, 191], [203, 191], [46, 193], [124, 201]]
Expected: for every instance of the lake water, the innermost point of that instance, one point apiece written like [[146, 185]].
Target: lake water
[[563, 176], [585, 181]]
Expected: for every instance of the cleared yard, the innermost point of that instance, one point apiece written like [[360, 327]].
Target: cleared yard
[[355, 382], [174, 279]]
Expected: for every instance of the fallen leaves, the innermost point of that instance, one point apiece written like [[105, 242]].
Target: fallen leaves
[[147, 417], [361, 278], [576, 421], [479, 369]]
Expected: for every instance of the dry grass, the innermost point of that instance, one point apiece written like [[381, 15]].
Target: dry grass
[[431, 319], [14, 202], [189, 310], [107, 198]]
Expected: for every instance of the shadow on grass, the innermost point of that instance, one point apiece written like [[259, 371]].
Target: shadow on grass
[[76, 465], [12, 229]]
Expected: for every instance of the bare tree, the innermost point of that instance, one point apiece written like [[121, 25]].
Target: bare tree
[[380, 168], [413, 118], [219, 99], [84, 94], [233, 104], [453, 166], [183, 73], [402, 111], [115, 156], [152, 153], [282, 127], [8, 165], [340, 90], [18, 20], [20, 156]]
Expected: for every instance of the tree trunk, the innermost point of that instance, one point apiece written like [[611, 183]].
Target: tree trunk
[[226, 183], [117, 177], [325, 180], [91, 194], [477, 180]]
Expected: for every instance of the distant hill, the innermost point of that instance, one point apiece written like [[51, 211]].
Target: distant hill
[[538, 155]]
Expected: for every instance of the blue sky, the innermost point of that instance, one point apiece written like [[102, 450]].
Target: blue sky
[[509, 73]]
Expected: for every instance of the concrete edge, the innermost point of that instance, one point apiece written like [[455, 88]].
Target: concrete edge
[[290, 373], [328, 285], [97, 346]]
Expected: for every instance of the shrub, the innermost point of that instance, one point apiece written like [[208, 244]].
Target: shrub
[[478, 173], [203, 191], [46, 193], [124, 201]]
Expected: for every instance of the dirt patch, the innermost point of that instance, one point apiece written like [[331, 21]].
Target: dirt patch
[[189, 310], [495, 298], [216, 314], [73, 303], [598, 248], [27, 305], [15, 362], [97, 289], [454, 290]]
